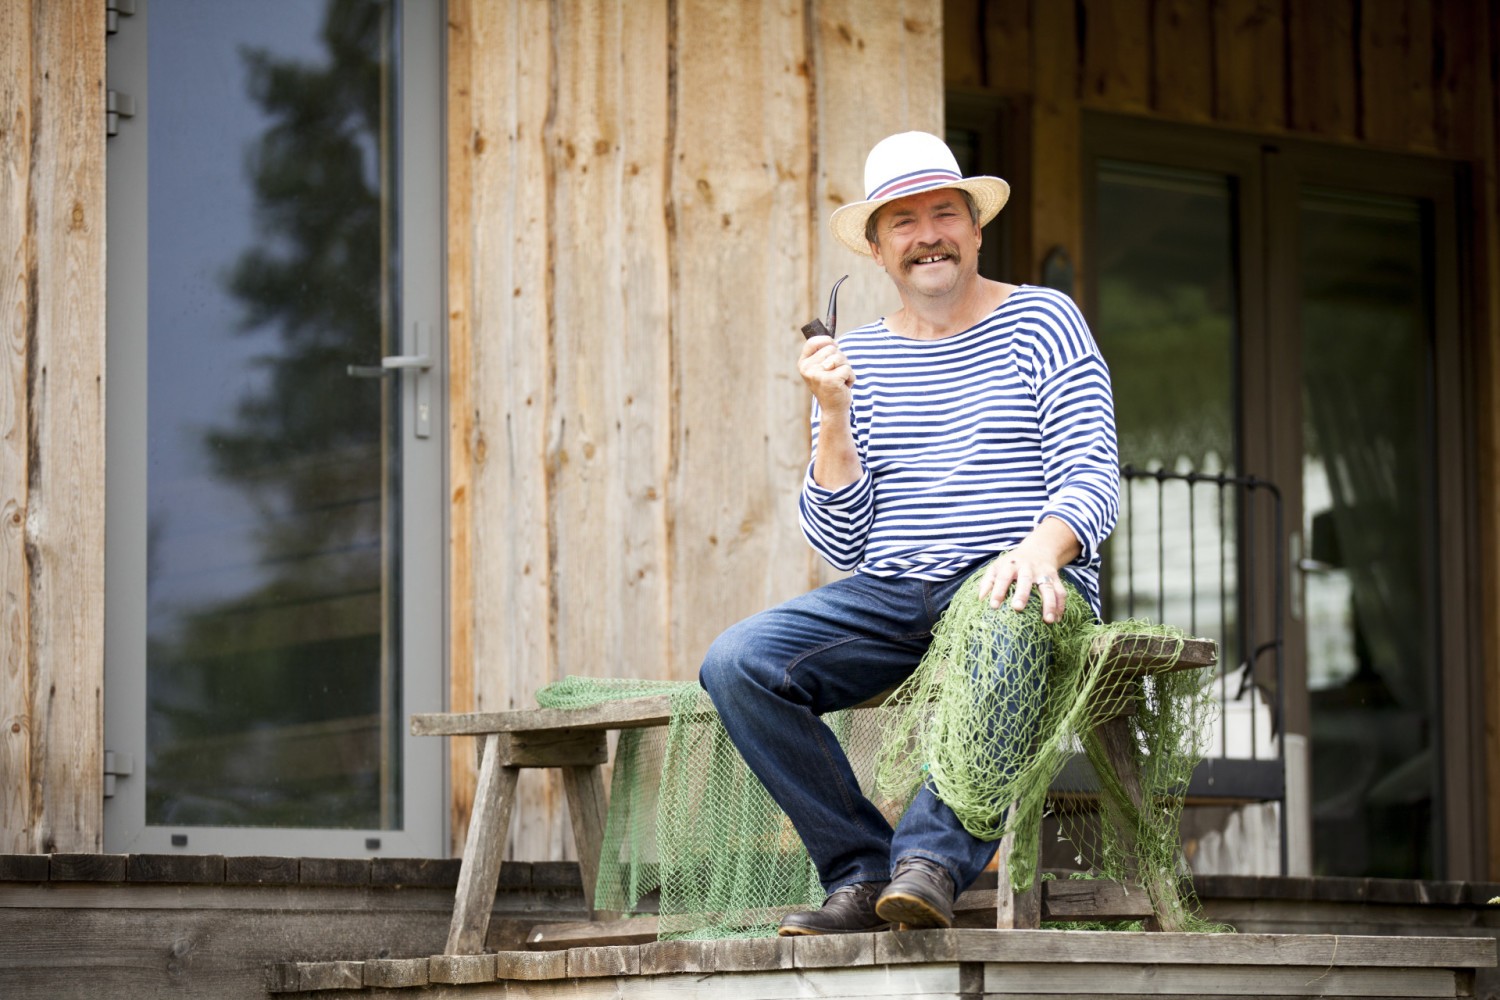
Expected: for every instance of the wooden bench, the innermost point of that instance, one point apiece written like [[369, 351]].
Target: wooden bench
[[575, 741]]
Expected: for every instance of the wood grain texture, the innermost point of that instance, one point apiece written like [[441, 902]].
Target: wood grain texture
[[17, 326], [1182, 65], [1249, 57], [588, 810], [1323, 55], [511, 332], [1117, 54], [964, 60], [495, 797], [462, 771], [740, 256], [64, 512], [609, 430], [1463, 33], [1007, 33], [1395, 73]]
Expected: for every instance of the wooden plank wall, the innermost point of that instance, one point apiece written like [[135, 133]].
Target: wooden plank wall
[[1415, 76], [638, 195], [51, 425]]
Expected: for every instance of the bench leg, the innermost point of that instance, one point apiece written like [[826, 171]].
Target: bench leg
[[1117, 737], [587, 807], [479, 874], [1016, 910]]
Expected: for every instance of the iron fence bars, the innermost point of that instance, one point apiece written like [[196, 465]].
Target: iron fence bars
[[1191, 549]]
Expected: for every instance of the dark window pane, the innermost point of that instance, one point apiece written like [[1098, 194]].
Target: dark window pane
[[270, 556]]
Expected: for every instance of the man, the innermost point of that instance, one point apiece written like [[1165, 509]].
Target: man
[[974, 421]]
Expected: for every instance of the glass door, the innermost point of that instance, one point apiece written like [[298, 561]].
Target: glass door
[[275, 428], [1372, 349], [1289, 312]]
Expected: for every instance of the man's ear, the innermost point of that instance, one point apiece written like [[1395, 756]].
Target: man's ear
[[875, 252]]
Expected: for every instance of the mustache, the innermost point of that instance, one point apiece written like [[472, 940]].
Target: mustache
[[941, 247]]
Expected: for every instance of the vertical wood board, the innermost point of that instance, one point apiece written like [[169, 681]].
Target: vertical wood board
[[510, 336], [1007, 32], [461, 566], [1462, 30], [1395, 73], [611, 359], [1249, 57], [65, 506], [15, 333], [963, 51], [738, 189], [1116, 54], [1322, 53], [1182, 67]]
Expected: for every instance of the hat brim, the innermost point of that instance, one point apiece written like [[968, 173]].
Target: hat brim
[[848, 223]]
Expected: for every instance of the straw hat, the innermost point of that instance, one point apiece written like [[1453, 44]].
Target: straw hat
[[905, 164]]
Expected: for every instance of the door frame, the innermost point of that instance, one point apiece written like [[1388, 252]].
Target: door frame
[[420, 188], [1266, 171]]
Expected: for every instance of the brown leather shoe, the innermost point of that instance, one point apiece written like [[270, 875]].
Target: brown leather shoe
[[850, 910], [920, 894]]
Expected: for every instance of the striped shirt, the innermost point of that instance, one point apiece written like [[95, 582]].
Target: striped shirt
[[967, 442]]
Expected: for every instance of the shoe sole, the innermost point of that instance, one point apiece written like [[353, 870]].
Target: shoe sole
[[912, 911]]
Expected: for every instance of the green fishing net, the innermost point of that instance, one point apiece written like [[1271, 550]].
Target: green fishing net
[[999, 705]]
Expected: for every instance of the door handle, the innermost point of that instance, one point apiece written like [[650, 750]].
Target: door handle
[[418, 363], [389, 365]]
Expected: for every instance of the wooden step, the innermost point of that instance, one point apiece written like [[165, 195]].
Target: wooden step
[[1062, 900]]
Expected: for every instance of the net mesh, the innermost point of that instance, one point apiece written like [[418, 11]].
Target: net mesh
[[1000, 703]]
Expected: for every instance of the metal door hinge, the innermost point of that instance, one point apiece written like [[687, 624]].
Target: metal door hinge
[[117, 106], [113, 10], [116, 765]]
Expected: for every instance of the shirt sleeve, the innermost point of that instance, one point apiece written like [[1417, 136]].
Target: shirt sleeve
[[837, 522], [1080, 454]]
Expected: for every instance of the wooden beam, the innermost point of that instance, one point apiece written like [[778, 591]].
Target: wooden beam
[[588, 809], [494, 798]]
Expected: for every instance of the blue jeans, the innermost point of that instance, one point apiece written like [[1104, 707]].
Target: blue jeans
[[772, 675]]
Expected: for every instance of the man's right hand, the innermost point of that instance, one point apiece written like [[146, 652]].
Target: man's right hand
[[827, 374]]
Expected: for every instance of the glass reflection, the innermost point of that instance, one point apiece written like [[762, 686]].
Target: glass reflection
[[270, 664], [1164, 260], [1368, 494]]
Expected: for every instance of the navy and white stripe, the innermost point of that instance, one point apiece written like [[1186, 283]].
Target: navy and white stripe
[[969, 441]]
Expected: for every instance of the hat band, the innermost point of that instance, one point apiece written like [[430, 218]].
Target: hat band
[[894, 187]]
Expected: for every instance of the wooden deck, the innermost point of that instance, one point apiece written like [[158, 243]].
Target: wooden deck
[[932, 964]]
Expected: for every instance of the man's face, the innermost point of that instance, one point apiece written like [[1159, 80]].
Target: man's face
[[928, 243]]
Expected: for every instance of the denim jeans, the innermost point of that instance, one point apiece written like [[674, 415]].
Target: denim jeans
[[772, 675]]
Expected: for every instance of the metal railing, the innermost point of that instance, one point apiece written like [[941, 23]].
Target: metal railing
[[1189, 550]]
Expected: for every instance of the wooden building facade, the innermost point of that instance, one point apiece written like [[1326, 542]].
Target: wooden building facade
[[634, 204]]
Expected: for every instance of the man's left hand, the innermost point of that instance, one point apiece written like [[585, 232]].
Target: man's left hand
[[1034, 562]]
